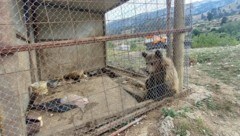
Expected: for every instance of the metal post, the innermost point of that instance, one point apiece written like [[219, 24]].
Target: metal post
[[169, 45]]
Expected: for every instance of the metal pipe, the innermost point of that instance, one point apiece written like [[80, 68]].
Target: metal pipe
[[5, 49]]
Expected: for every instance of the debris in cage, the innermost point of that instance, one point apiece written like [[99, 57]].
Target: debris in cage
[[62, 104], [110, 73], [33, 122], [53, 83], [94, 73], [53, 106], [33, 126], [106, 71], [35, 116], [40, 87], [73, 99], [75, 76]]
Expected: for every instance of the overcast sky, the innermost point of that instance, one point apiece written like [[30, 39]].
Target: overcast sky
[[134, 7]]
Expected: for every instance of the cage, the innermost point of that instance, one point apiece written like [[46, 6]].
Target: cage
[[75, 67]]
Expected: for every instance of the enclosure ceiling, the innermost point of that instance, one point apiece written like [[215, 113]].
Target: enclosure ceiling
[[87, 5]]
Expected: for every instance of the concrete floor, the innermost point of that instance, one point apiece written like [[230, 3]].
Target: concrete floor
[[106, 97]]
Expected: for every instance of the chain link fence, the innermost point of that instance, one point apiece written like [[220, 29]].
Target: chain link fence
[[86, 67]]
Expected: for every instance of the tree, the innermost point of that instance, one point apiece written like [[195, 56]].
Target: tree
[[214, 30], [224, 20], [209, 16], [196, 32]]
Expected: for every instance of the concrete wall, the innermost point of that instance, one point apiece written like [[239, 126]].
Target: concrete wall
[[15, 74], [64, 25]]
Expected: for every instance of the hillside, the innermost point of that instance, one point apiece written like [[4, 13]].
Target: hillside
[[150, 21], [229, 9]]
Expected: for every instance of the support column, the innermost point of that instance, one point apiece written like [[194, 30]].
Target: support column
[[178, 40]]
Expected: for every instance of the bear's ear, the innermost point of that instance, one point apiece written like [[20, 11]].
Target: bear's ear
[[144, 54], [158, 53]]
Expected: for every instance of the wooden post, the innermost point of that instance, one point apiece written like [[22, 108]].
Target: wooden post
[[178, 40], [169, 45]]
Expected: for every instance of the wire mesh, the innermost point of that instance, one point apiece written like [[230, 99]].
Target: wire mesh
[[81, 67]]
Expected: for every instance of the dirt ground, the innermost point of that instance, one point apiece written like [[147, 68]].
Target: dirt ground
[[212, 108]]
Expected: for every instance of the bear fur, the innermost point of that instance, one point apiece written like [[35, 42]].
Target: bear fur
[[163, 80]]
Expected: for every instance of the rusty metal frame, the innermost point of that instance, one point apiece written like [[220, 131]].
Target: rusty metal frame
[[6, 49]]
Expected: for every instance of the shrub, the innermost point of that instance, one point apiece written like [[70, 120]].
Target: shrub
[[224, 20], [169, 112], [196, 32], [212, 39]]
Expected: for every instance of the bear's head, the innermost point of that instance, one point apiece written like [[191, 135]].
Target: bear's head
[[153, 61]]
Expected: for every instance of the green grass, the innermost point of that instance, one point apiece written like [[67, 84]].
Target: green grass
[[222, 63], [169, 112], [173, 113], [214, 104], [182, 128], [212, 34], [201, 127], [195, 127]]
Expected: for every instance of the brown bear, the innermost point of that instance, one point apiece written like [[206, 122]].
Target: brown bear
[[163, 80]]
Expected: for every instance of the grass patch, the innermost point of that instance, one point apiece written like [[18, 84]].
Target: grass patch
[[169, 112], [201, 127], [207, 103], [213, 88], [213, 39], [222, 63], [215, 105], [173, 113], [182, 128], [195, 127], [211, 104]]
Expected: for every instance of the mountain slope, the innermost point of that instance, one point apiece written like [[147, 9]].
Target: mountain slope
[[150, 21]]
